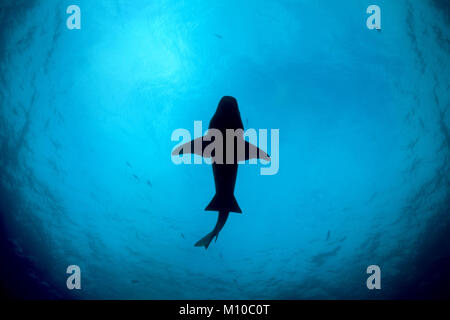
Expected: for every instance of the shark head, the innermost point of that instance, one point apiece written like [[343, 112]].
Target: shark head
[[227, 115]]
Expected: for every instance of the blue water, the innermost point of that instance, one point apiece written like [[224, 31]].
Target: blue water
[[86, 176]]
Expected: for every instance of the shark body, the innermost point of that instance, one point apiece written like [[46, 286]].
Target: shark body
[[227, 116]]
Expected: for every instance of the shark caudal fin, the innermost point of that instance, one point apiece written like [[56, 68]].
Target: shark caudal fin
[[206, 240], [228, 204]]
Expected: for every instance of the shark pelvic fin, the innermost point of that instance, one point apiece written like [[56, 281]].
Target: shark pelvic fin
[[228, 204]]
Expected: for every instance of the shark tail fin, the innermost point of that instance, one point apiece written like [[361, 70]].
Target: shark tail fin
[[206, 240], [228, 204]]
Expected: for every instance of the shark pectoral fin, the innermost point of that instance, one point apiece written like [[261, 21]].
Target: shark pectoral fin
[[196, 146], [253, 152]]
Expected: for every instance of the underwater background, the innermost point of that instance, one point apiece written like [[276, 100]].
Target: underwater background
[[86, 175]]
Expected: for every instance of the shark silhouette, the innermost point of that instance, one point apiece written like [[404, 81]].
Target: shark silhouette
[[227, 116]]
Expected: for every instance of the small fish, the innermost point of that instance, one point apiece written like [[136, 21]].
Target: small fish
[[55, 144], [182, 235], [134, 281], [128, 164], [416, 163], [218, 36], [328, 235], [412, 144], [149, 183], [421, 123], [135, 176]]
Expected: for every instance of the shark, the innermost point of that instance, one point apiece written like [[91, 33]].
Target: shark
[[225, 145]]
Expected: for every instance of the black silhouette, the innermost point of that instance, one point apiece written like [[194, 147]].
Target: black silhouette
[[227, 116]]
